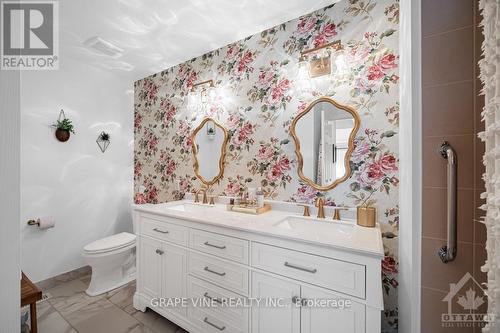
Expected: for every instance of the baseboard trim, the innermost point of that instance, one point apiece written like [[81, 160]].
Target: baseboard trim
[[64, 277]]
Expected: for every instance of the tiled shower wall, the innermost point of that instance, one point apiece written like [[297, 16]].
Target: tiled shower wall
[[451, 41]]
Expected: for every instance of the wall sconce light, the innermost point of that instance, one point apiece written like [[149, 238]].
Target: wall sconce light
[[207, 94], [321, 62]]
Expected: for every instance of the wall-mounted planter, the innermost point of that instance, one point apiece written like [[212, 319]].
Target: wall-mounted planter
[[103, 141], [64, 127], [62, 135]]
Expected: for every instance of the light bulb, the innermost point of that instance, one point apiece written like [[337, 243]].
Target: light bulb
[[303, 81], [191, 100], [341, 68], [212, 94]]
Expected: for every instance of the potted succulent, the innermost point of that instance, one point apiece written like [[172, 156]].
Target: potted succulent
[[64, 128], [103, 141]]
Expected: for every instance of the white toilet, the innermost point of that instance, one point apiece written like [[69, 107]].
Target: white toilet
[[112, 260]]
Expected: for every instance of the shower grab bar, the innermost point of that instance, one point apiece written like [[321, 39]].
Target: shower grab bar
[[449, 252]]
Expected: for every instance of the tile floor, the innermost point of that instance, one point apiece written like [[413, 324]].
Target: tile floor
[[70, 310]]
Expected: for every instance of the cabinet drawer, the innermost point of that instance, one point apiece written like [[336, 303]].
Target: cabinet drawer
[[202, 291], [211, 323], [226, 275], [333, 274], [165, 231], [222, 246]]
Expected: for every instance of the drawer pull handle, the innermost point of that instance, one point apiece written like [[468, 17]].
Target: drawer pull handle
[[212, 298], [216, 246], [214, 272], [160, 252], [213, 325], [161, 231], [301, 268]]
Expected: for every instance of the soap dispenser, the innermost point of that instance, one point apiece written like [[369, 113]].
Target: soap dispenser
[[259, 196]]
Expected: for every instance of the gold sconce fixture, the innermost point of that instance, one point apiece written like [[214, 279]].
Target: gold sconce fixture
[[328, 59], [207, 94]]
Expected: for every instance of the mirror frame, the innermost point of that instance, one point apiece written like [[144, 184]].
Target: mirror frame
[[196, 164], [347, 159]]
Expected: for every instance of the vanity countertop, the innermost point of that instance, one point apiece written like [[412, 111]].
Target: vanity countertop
[[344, 235]]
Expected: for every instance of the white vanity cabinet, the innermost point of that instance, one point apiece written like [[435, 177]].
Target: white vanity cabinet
[[150, 260], [288, 286], [301, 314], [273, 319], [163, 271]]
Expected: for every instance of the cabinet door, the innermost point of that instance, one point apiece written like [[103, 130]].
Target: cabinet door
[[173, 283], [318, 318], [150, 256], [271, 318]]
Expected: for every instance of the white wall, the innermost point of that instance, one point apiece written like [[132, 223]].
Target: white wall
[[88, 192]]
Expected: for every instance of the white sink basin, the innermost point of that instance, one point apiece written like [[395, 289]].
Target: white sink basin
[[316, 226], [190, 207]]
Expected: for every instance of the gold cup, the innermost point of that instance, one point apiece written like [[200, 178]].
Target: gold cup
[[367, 216]]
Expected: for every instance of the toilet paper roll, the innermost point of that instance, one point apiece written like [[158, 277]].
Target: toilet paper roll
[[46, 222]]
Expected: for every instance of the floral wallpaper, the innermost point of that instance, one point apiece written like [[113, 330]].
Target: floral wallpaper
[[257, 98]]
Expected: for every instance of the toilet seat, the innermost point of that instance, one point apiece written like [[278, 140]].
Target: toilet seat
[[111, 243]]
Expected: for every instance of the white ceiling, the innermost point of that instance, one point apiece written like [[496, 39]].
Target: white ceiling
[[158, 34]]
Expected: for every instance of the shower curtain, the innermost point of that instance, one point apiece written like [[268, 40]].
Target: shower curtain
[[490, 76]]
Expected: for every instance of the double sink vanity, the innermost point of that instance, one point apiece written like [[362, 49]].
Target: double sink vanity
[[210, 269], [193, 251]]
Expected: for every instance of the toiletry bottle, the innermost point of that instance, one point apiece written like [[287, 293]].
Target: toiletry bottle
[[259, 196]]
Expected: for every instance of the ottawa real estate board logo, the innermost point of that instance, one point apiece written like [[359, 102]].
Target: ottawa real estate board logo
[[467, 305], [29, 35]]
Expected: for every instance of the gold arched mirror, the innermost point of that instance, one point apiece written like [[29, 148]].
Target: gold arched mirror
[[324, 140], [209, 141]]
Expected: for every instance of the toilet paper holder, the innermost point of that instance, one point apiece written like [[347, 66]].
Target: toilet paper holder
[[34, 222], [43, 222]]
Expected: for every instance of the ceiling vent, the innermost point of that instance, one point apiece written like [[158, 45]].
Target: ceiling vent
[[99, 45]]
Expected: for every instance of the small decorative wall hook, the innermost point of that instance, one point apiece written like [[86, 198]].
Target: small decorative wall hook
[[103, 141]]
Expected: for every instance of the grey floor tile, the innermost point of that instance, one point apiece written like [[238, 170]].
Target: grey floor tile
[[70, 310], [103, 316], [130, 309], [70, 296], [155, 322], [122, 297], [50, 321]]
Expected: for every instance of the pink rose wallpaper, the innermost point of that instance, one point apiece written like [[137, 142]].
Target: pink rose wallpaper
[[258, 98]]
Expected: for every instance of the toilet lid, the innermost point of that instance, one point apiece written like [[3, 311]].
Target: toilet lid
[[110, 243]]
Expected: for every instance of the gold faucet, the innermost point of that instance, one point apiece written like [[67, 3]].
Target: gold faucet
[[306, 209], [204, 191], [320, 203], [336, 213]]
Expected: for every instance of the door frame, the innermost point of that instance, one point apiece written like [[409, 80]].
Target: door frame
[[410, 150], [10, 197]]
